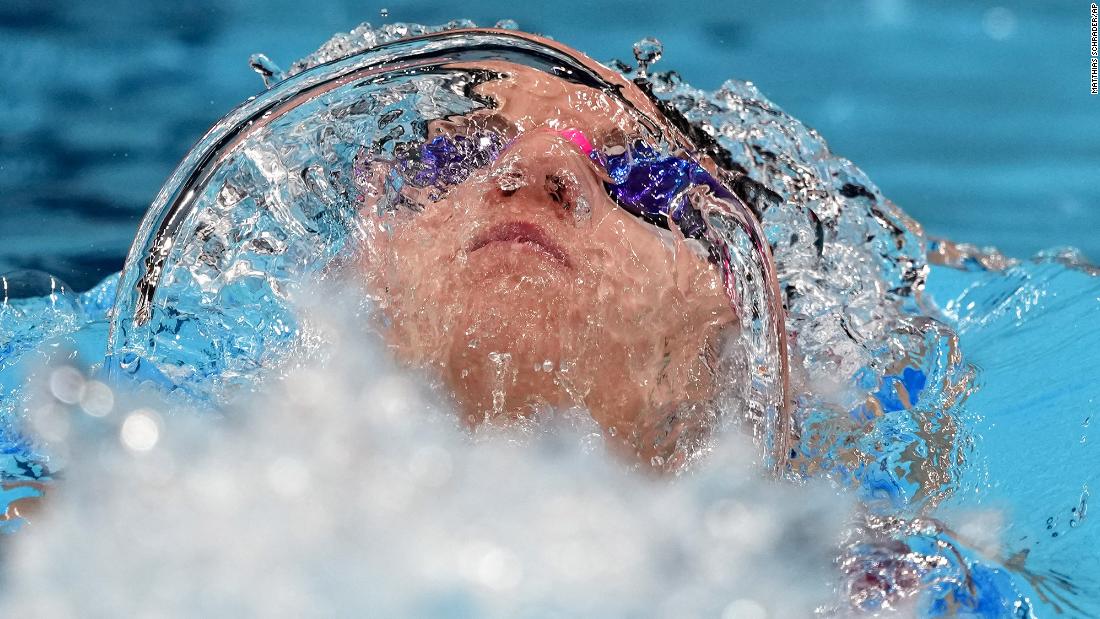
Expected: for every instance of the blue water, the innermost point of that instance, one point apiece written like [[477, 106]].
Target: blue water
[[1028, 459], [974, 119], [1032, 332]]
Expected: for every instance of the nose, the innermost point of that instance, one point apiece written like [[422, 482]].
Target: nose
[[551, 167]]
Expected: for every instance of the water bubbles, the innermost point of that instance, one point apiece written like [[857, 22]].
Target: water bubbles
[[592, 442], [97, 399], [509, 175], [503, 374], [384, 13], [582, 211], [507, 24], [647, 52], [67, 384], [548, 366], [140, 431], [397, 31]]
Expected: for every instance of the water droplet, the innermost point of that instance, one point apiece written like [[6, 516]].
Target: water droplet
[[591, 442], [268, 70], [502, 373], [668, 80], [621, 66], [97, 399], [582, 211], [140, 431], [507, 24], [647, 52], [548, 366], [67, 384], [509, 177]]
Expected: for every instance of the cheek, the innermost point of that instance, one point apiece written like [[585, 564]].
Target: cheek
[[632, 252], [402, 265]]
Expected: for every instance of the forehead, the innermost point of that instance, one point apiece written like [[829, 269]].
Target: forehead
[[528, 98]]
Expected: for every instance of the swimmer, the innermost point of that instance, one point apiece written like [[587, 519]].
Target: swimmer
[[548, 272]]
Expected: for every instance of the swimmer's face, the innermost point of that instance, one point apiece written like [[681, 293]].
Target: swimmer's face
[[526, 286]]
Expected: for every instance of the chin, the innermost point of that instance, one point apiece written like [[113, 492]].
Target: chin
[[515, 264]]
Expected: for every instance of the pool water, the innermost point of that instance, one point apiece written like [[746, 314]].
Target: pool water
[[975, 119], [1017, 513], [989, 405]]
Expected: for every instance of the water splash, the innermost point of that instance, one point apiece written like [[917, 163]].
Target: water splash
[[268, 70], [886, 398], [364, 37], [308, 186], [647, 52], [349, 490]]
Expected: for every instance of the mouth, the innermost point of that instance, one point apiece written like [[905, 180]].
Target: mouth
[[520, 233]]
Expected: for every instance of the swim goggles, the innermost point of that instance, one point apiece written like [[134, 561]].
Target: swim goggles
[[646, 183]]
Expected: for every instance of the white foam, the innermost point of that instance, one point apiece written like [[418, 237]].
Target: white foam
[[349, 490]]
